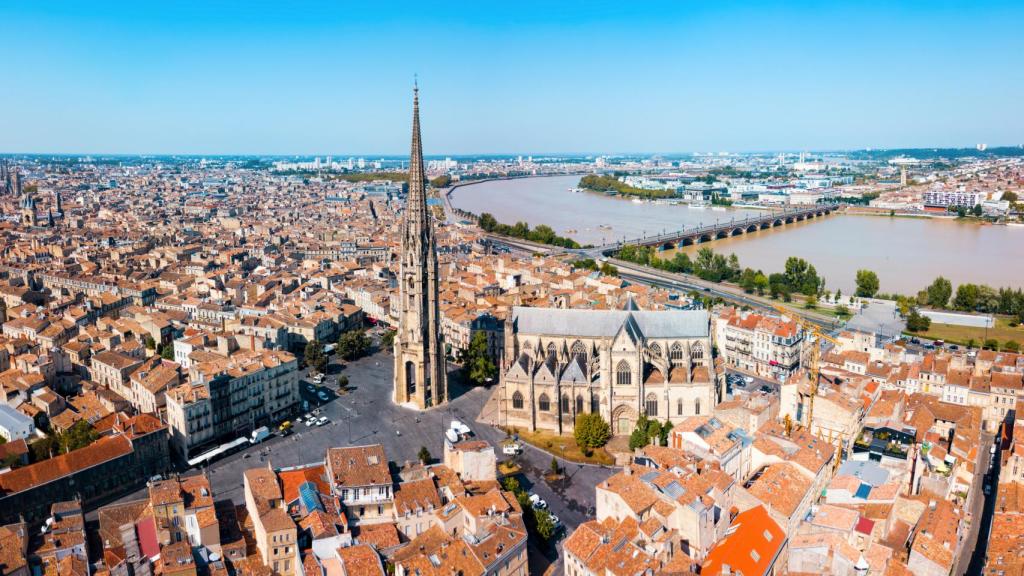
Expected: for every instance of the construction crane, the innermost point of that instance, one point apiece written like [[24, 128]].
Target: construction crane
[[815, 331]]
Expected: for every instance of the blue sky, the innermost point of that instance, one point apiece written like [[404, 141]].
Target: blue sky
[[507, 77]]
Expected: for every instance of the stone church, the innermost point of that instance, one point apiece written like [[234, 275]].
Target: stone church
[[620, 363]]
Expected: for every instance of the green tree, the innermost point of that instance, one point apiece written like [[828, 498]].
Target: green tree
[[342, 382], [1011, 346], [554, 466], [991, 344], [149, 342], [486, 222], [654, 431], [545, 525], [591, 431], [167, 352], [424, 455], [314, 355], [842, 310], [811, 302], [609, 270], [638, 439], [441, 181], [477, 362], [966, 297], [760, 283], [917, 322], [511, 484], [666, 429], [939, 292], [867, 283], [387, 339], [80, 435], [977, 210], [353, 344]]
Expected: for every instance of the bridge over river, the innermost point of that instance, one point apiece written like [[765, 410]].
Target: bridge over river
[[720, 229]]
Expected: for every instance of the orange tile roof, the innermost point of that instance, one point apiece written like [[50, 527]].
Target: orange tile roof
[[750, 546], [103, 450]]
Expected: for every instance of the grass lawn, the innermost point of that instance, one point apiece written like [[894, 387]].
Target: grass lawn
[[961, 334], [552, 443]]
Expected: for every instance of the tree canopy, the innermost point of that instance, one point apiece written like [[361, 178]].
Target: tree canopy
[[867, 283], [591, 431]]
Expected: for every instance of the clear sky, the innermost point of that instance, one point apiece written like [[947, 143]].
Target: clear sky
[[300, 77]]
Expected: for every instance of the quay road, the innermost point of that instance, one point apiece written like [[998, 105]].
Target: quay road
[[650, 276]]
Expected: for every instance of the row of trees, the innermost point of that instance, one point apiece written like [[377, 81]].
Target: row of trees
[[542, 234], [798, 277], [973, 298], [351, 345], [611, 184], [649, 430]]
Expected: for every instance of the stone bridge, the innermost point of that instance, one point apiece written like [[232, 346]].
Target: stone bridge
[[723, 229]]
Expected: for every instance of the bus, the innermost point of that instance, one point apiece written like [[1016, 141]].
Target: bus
[[219, 452]]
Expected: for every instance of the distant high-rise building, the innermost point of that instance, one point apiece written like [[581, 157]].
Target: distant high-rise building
[[420, 368]]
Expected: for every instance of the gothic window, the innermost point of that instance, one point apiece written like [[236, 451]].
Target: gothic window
[[579, 350], [623, 374], [679, 407], [656, 350], [676, 353], [696, 406], [544, 404], [527, 346], [565, 404], [652, 405], [517, 401], [579, 404], [696, 351], [551, 349], [595, 404]]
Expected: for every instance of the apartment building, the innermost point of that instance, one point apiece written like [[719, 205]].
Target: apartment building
[[361, 480], [769, 346], [228, 396], [275, 533]]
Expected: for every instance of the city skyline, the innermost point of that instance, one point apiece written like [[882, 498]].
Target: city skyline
[[319, 79]]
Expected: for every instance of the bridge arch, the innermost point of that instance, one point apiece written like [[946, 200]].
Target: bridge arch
[[736, 231], [752, 228]]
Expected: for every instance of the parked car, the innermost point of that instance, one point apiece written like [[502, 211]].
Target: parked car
[[749, 379], [555, 520], [537, 502], [511, 449], [322, 420]]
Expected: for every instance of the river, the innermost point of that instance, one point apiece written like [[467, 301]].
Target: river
[[906, 253]]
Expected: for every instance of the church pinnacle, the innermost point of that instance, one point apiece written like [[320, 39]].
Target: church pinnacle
[[420, 367]]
